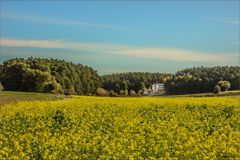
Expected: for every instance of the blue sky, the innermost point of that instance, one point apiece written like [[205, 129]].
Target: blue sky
[[155, 36]]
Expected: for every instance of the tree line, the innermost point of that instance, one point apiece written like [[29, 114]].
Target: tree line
[[132, 82], [49, 75], [203, 79], [59, 76]]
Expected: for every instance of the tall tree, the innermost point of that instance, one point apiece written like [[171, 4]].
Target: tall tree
[[49, 75]]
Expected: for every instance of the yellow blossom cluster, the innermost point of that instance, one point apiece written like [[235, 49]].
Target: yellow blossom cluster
[[121, 128]]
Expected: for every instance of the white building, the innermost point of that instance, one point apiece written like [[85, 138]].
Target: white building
[[156, 89]]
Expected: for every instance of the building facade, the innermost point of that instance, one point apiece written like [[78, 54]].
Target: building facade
[[156, 89]]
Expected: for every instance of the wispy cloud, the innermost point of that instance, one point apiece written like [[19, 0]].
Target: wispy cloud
[[226, 20], [172, 54], [60, 44], [236, 43], [57, 21], [177, 55]]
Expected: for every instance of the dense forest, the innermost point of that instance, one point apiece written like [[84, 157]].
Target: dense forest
[[133, 81], [59, 76], [202, 79], [48, 75], [191, 80]]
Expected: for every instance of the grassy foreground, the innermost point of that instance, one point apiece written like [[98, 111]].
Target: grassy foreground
[[232, 93], [121, 128], [12, 97]]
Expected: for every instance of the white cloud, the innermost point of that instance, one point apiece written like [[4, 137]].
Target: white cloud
[[172, 54], [226, 20], [59, 44], [57, 21], [236, 43], [177, 55]]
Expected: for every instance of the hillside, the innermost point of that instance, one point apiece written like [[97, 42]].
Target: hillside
[[48, 75], [62, 77]]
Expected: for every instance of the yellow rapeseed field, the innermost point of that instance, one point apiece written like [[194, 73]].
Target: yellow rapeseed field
[[121, 128]]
